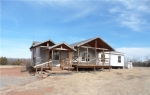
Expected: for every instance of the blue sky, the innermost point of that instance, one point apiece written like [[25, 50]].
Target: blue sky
[[124, 24]]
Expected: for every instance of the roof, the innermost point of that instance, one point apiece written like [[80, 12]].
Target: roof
[[81, 42], [35, 43], [77, 44], [56, 45], [116, 52]]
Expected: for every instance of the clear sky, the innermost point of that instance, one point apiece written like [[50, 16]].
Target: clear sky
[[124, 24]]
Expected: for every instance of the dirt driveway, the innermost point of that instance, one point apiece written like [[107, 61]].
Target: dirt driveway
[[134, 81]]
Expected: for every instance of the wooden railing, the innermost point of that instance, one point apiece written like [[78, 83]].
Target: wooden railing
[[91, 60], [41, 65], [66, 62]]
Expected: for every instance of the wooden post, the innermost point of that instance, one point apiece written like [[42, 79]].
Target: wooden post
[[103, 58], [78, 54], [109, 59], [77, 68], [52, 59], [36, 71], [87, 55], [69, 60], [60, 57], [41, 71], [96, 50]]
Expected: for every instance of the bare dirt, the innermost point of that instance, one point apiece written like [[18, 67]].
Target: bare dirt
[[134, 81]]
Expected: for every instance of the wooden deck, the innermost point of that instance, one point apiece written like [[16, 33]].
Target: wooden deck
[[94, 66]]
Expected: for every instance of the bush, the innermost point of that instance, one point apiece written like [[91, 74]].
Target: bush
[[3, 61], [18, 62]]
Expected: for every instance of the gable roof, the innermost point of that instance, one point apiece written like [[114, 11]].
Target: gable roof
[[101, 42], [35, 43], [62, 44]]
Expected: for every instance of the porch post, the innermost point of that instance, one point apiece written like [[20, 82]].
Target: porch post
[[60, 57], [109, 59], [87, 55], [52, 59], [103, 58], [96, 50], [78, 54]]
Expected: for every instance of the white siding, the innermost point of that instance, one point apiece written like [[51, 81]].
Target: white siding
[[32, 64], [113, 58]]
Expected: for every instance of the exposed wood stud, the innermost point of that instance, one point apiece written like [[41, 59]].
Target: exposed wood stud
[[60, 56], [78, 54], [87, 55], [36, 71], [94, 48], [96, 51], [109, 59], [52, 60]]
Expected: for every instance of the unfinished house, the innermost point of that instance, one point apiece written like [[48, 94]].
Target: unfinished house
[[92, 53]]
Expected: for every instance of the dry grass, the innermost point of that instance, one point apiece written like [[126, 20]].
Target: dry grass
[[134, 81]]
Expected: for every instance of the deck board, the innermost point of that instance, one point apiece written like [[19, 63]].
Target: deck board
[[94, 66]]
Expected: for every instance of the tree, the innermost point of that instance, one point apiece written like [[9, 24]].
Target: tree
[[148, 60], [3, 61]]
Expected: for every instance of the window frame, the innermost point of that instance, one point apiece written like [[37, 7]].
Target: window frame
[[56, 55], [119, 59]]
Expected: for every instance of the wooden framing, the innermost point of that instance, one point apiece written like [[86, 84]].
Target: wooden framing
[[90, 66], [96, 51], [78, 54], [87, 55], [109, 59], [52, 59], [93, 48]]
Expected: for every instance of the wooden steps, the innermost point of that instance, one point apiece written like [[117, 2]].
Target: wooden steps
[[58, 72], [55, 71]]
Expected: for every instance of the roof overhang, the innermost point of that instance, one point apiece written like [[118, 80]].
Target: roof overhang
[[62, 46], [47, 41], [101, 44]]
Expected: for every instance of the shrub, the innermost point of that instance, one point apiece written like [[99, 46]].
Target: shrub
[[18, 62], [3, 61]]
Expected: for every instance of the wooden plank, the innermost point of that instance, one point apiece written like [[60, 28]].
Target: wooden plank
[[96, 51], [93, 47], [109, 58], [94, 69], [77, 68], [42, 64], [60, 54], [42, 71], [78, 55], [36, 71], [87, 55], [61, 49], [52, 60]]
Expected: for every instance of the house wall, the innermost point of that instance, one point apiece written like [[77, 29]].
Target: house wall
[[31, 64], [43, 54], [113, 59]]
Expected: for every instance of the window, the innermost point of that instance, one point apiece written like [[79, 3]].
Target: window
[[56, 55], [84, 56], [119, 59]]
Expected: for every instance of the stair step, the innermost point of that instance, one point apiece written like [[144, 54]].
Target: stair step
[[58, 72]]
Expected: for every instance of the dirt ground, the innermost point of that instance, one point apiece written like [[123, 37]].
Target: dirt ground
[[134, 81]]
